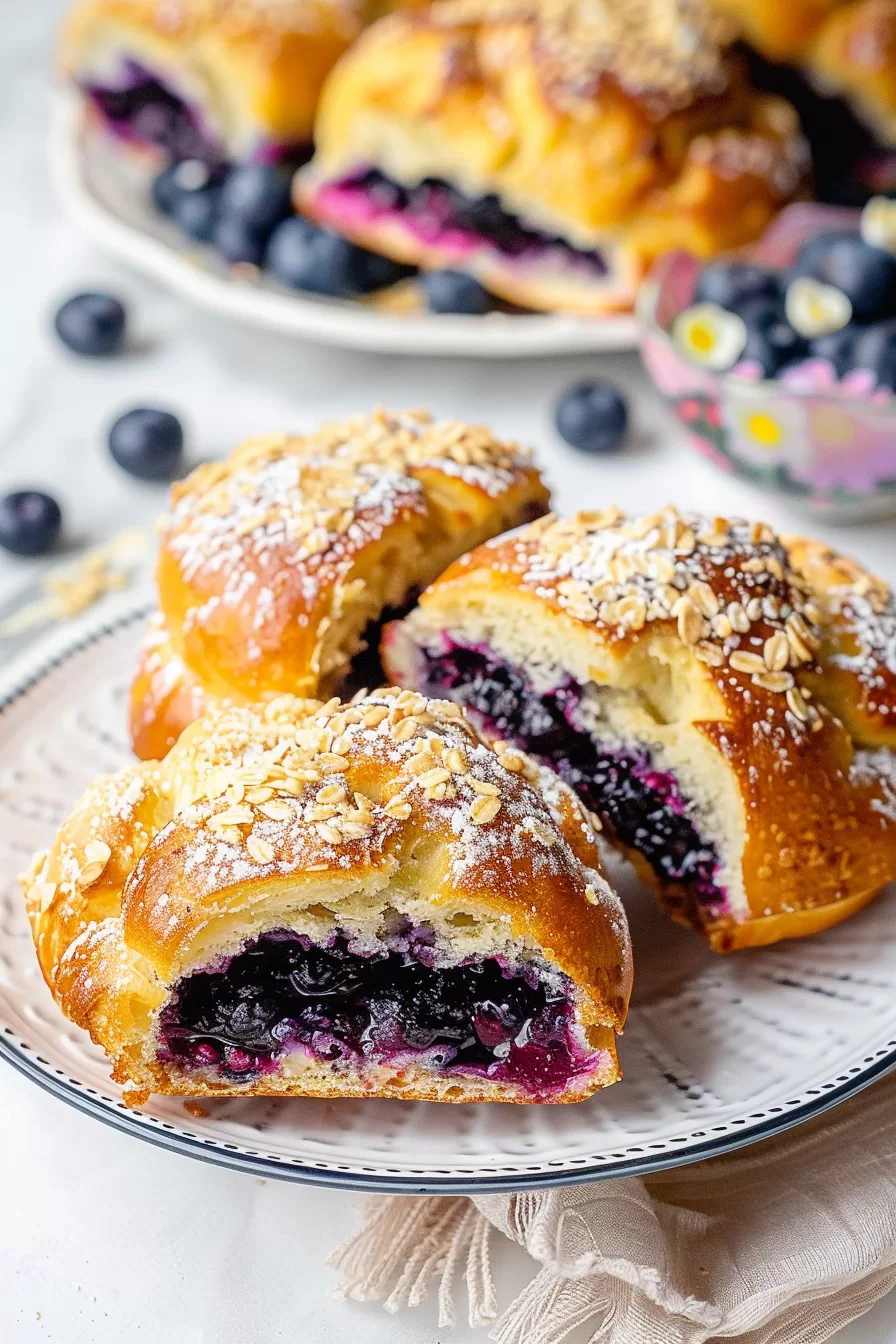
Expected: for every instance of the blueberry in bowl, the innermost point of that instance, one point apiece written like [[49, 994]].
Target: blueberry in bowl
[[731, 284], [866, 274], [772, 342], [781, 365]]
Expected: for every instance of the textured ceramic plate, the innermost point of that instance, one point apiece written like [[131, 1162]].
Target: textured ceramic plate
[[717, 1053], [108, 197]]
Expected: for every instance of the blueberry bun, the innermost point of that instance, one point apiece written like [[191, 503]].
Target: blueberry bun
[[708, 698], [213, 80], [550, 148], [341, 900], [275, 565]]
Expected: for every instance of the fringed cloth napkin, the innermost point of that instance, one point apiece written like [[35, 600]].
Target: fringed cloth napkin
[[784, 1243]]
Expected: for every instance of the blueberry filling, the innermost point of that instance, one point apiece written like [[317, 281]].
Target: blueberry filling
[[283, 993], [436, 208], [643, 806], [142, 109]]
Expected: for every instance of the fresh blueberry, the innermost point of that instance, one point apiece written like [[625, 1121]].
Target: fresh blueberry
[[837, 347], [454, 292], [147, 443], [771, 340], [91, 324], [815, 249], [373, 271], [166, 190], [592, 417], [196, 212], [730, 284], [30, 522], [238, 241], [306, 257], [179, 180], [875, 349], [865, 274], [761, 312], [258, 195]]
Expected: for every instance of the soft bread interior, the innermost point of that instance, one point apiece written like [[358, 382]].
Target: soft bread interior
[[651, 694]]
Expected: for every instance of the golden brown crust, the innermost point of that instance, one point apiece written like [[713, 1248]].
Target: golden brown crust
[[297, 815], [780, 31], [254, 67], [612, 143], [854, 55], [273, 563], [845, 47], [630, 603], [857, 680]]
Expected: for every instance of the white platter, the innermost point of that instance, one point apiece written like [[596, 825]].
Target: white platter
[[107, 195], [718, 1052]]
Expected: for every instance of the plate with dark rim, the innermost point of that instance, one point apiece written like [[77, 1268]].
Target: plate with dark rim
[[717, 1053]]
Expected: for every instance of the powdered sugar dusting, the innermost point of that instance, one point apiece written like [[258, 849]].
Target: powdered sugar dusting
[[277, 527]]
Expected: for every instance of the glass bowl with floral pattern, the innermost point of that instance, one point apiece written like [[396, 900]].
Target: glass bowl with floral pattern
[[828, 443]]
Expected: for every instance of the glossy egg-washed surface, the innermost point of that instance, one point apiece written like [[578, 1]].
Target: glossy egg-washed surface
[[273, 563], [819, 812], [602, 124], [257, 816]]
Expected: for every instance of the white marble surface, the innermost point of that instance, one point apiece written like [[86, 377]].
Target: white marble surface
[[102, 1239]]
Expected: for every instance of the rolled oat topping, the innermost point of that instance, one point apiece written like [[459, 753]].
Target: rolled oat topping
[[724, 585]]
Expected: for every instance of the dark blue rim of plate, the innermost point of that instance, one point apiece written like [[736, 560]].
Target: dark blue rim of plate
[[639, 1160]]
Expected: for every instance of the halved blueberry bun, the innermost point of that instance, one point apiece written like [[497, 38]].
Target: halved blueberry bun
[[334, 900], [221, 81], [677, 672], [551, 148], [276, 565]]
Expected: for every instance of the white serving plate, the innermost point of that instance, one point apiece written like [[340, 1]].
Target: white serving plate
[[107, 194], [718, 1052]]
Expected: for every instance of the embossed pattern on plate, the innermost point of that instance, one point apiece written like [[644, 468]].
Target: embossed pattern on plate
[[107, 194], [718, 1052]]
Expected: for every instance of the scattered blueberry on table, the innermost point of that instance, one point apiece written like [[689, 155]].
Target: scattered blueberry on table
[[454, 292], [30, 522], [148, 443], [592, 417], [837, 303], [92, 324]]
